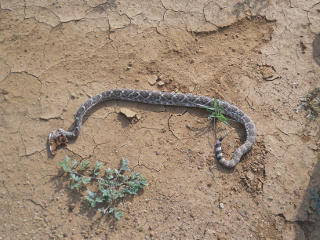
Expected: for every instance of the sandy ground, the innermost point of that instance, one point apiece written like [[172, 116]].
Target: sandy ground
[[263, 56]]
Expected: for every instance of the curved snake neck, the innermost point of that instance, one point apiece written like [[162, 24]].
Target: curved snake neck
[[163, 98]]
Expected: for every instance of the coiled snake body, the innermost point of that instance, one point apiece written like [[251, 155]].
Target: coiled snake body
[[60, 136]]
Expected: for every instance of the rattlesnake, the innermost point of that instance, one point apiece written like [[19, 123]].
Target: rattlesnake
[[60, 136]]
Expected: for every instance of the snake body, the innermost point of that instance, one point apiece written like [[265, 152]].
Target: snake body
[[171, 99]]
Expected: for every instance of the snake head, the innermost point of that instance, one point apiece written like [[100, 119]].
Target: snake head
[[55, 139]]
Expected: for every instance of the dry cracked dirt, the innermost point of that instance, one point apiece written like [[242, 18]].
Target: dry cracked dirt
[[261, 55]]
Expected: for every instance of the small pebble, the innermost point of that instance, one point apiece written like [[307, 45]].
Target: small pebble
[[4, 92], [73, 95], [152, 80], [128, 113], [71, 207], [250, 175]]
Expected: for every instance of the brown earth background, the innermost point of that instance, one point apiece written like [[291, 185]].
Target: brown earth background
[[263, 56]]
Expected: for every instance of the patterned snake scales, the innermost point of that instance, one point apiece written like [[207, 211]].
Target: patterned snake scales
[[60, 136]]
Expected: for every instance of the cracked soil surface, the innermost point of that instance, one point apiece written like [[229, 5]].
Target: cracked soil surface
[[263, 56]]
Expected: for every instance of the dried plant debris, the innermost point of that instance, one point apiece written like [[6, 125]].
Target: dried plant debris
[[311, 103]]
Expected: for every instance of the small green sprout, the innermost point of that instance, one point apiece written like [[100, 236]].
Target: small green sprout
[[109, 188], [216, 111]]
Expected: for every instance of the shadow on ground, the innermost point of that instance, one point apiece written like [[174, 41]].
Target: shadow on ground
[[311, 226], [316, 49]]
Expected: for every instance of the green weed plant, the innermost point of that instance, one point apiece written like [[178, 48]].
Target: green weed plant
[[216, 111], [109, 186]]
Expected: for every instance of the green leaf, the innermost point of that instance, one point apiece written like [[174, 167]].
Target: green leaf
[[99, 199], [86, 180], [123, 178], [106, 193], [133, 190], [109, 174], [65, 164], [67, 158], [75, 177], [134, 175], [124, 165], [97, 167], [215, 103], [74, 163], [84, 165], [92, 194], [120, 194], [144, 181], [118, 215], [104, 210], [75, 185], [91, 200], [116, 212]]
